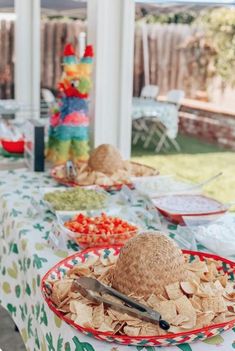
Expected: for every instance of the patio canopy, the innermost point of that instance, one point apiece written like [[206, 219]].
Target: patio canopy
[[51, 4]]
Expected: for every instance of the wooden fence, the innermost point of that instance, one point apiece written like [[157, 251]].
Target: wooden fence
[[168, 65]]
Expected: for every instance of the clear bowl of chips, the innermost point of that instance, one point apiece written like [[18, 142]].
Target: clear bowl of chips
[[98, 230]]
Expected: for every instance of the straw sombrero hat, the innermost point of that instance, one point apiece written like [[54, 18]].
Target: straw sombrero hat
[[106, 159], [147, 263]]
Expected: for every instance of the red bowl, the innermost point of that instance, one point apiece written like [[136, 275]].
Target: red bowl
[[14, 147], [168, 206]]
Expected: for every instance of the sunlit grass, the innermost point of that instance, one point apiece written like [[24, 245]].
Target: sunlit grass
[[196, 166]]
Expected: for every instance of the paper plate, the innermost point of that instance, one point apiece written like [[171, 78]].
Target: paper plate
[[60, 269], [177, 208]]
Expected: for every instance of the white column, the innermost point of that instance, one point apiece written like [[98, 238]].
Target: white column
[[27, 57], [111, 31]]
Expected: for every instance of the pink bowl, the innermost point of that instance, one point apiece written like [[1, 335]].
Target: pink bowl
[[14, 147]]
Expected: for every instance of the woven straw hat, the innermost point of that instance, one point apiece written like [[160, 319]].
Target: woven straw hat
[[147, 263], [106, 159]]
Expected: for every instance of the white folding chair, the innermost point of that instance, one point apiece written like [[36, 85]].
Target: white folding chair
[[175, 96], [150, 91], [48, 96], [140, 127], [48, 100]]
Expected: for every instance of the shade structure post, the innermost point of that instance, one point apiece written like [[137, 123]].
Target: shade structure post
[[27, 57], [111, 31]]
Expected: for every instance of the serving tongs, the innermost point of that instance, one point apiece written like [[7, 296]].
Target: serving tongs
[[92, 288], [70, 170]]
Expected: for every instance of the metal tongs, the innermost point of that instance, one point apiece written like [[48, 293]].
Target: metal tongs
[[70, 169], [90, 288]]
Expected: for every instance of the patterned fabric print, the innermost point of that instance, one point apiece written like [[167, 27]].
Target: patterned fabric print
[[25, 257], [60, 270]]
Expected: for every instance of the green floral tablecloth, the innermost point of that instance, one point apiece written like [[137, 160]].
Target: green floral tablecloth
[[25, 257]]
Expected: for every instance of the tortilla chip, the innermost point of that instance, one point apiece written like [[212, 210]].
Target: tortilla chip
[[217, 287], [179, 320], [204, 319], [149, 329], [215, 304], [153, 300], [121, 317], [132, 331], [83, 313], [175, 330], [188, 288], [173, 291], [98, 316], [204, 290], [105, 328], [220, 318], [185, 308], [191, 276], [78, 271], [223, 280], [196, 302], [207, 276], [167, 310], [135, 322], [198, 266], [230, 296], [100, 270]]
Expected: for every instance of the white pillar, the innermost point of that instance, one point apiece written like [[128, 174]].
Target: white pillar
[[111, 31], [27, 57]]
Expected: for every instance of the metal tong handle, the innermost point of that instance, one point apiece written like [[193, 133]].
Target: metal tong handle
[[130, 302], [133, 307], [70, 170]]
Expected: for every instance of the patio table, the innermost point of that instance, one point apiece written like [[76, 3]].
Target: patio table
[[166, 113], [25, 256], [9, 107], [9, 163]]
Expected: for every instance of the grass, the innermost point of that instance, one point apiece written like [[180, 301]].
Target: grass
[[196, 162]]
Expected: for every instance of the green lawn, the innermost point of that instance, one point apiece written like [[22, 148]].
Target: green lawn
[[196, 162]]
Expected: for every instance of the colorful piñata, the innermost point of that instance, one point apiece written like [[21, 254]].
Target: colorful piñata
[[68, 133]]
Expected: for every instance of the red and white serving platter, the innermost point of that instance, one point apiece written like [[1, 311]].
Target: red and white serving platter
[[60, 269], [176, 208], [57, 173]]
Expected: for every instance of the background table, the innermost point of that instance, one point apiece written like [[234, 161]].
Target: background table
[[165, 112], [25, 257], [9, 163]]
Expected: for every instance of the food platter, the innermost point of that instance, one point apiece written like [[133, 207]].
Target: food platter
[[163, 185], [90, 255], [76, 227], [179, 208], [58, 173], [69, 200]]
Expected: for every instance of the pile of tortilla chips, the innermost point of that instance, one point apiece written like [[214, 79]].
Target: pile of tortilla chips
[[207, 297], [86, 176]]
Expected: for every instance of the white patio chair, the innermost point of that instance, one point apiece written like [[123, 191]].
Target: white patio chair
[[48, 96], [150, 91], [48, 100], [175, 96], [140, 127]]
